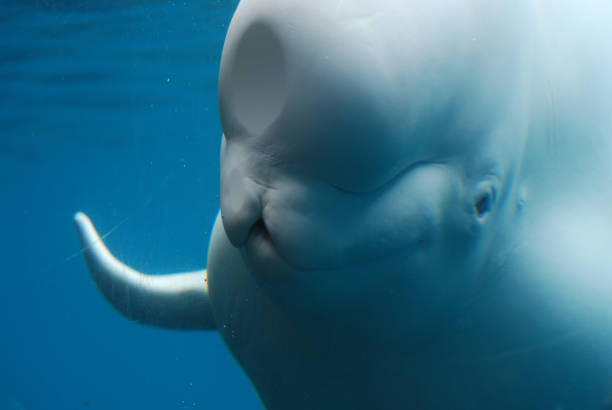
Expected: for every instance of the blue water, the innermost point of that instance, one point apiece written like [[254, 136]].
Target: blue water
[[107, 107]]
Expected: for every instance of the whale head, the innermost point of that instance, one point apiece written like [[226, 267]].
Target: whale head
[[364, 175], [373, 249]]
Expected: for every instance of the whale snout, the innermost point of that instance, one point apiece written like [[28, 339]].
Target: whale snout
[[311, 225], [240, 206]]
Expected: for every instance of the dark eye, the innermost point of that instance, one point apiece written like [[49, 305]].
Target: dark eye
[[484, 199], [483, 204]]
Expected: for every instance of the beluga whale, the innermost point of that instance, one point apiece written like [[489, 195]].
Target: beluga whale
[[415, 207]]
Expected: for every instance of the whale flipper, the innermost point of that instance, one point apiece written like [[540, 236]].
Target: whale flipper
[[176, 301]]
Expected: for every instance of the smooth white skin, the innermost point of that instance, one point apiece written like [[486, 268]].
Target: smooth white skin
[[361, 158], [351, 268], [358, 138], [358, 156]]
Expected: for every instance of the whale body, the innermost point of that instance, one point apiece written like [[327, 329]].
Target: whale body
[[415, 208]]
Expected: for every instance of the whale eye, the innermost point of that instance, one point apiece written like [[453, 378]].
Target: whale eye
[[484, 200], [483, 205]]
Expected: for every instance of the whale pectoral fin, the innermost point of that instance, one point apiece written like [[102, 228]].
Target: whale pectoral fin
[[176, 301]]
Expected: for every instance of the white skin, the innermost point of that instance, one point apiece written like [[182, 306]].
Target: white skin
[[396, 228], [366, 173], [352, 198]]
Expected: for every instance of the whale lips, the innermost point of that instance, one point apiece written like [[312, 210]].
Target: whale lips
[[263, 257]]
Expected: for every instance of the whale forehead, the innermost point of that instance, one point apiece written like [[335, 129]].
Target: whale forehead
[[285, 90], [317, 84]]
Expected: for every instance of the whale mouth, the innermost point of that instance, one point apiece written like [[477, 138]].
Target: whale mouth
[[267, 262], [262, 255]]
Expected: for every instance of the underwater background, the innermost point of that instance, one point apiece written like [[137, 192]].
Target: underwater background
[[108, 107]]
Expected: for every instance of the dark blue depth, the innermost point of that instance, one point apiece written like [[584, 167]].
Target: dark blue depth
[[107, 107]]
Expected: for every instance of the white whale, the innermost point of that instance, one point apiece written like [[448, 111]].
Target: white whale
[[416, 207]]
